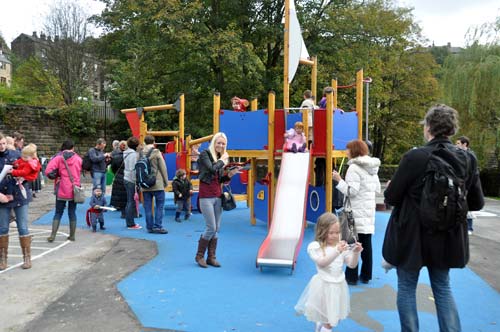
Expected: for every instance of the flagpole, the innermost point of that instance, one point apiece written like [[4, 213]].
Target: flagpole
[[286, 86]]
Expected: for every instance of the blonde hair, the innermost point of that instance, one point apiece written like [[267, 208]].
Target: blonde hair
[[211, 148], [29, 151], [323, 224], [298, 124]]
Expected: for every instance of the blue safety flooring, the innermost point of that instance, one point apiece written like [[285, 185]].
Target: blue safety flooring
[[172, 292]]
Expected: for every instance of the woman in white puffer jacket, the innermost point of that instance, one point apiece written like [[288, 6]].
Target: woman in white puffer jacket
[[362, 182]]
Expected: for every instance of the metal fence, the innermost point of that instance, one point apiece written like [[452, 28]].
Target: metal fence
[[103, 110]]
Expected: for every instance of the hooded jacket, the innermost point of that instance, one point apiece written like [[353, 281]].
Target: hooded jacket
[[362, 181], [64, 187], [157, 165]]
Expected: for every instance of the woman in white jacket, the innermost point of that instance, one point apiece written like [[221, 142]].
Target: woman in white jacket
[[362, 182]]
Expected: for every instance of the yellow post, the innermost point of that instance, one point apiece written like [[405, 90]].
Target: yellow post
[[314, 78], [181, 123], [251, 190], [143, 128], [286, 48], [188, 156], [329, 144], [335, 94], [216, 112], [359, 101], [254, 104], [270, 156]]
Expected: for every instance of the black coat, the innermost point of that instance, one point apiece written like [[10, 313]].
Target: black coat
[[181, 186], [209, 168], [406, 244], [118, 191]]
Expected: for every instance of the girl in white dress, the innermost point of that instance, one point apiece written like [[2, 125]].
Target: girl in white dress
[[325, 300]]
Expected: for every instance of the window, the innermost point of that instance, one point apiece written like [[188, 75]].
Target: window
[[3, 65], [3, 80]]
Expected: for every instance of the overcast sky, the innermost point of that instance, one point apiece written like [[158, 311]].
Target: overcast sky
[[442, 21]]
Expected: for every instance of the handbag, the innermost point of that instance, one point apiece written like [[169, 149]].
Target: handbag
[[227, 200], [347, 223], [78, 192]]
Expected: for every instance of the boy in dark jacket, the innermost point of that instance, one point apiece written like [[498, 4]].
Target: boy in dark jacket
[[97, 201], [183, 189]]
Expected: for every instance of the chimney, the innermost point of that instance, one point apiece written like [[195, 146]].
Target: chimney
[[448, 45], [42, 35], [34, 34]]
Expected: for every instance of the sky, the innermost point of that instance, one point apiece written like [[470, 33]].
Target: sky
[[443, 21]]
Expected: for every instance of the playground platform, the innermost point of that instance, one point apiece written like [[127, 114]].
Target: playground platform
[[129, 280]]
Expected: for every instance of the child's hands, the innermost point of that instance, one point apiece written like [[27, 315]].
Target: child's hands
[[97, 207], [342, 246], [180, 195], [357, 247]]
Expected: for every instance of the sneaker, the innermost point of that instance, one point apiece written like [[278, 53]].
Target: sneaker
[[364, 281], [294, 148], [303, 148], [103, 228], [470, 232], [352, 282], [186, 217], [136, 226], [160, 231], [178, 219]]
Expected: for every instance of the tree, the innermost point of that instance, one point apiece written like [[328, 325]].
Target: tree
[[67, 56]]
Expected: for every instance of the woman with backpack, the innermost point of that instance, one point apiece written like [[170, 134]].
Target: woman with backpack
[[212, 175]]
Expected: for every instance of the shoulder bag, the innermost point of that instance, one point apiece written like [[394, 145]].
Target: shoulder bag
[[227, 199], [78, 192], [347, 224]]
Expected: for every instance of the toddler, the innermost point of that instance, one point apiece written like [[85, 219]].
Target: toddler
[[96, 213], [25, 168], [325, 300], [183, 189], [295, 138]]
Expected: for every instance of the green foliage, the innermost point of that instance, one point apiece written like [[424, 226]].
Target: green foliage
[[470, 85], [76, 120], [156, 49]]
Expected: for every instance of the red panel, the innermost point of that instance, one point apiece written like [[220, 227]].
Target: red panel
[[279, 129], [319, 130], [180, 160], [170, 147], [133, 122]]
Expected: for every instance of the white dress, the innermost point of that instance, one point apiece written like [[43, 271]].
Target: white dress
[[326, 297]]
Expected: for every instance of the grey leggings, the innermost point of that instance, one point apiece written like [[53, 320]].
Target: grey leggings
[[212, 211]]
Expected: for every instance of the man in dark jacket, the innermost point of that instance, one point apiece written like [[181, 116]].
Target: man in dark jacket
[[99, 162], [408, 245]]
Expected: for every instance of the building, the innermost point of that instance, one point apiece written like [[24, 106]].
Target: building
[[5, 69], [25, 46]]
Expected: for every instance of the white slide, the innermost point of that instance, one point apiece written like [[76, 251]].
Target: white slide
[[282, 244]]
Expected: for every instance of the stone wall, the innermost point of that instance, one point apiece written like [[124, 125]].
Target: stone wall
[[39, 127]]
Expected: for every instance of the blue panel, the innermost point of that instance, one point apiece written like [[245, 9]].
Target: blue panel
[[170, 160], [345, 129], [316, 204], [291, 118], [245, 130], [260, 205], [236, 186]]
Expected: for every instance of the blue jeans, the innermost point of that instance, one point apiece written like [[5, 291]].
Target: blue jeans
[[60, 205], [130, 208], [21, 220], [445, 304], [154, 222], [211, 209], [99, 178]]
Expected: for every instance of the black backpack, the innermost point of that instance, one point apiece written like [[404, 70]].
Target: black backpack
[[144, 176], [86, 162], [443, 204]]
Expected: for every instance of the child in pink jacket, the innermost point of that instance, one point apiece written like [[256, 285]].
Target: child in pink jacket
[[295, 138]]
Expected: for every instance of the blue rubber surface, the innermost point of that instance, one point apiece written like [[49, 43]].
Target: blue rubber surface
[[172, 292]]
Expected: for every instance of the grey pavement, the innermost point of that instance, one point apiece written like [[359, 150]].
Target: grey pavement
[[74, 288]]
